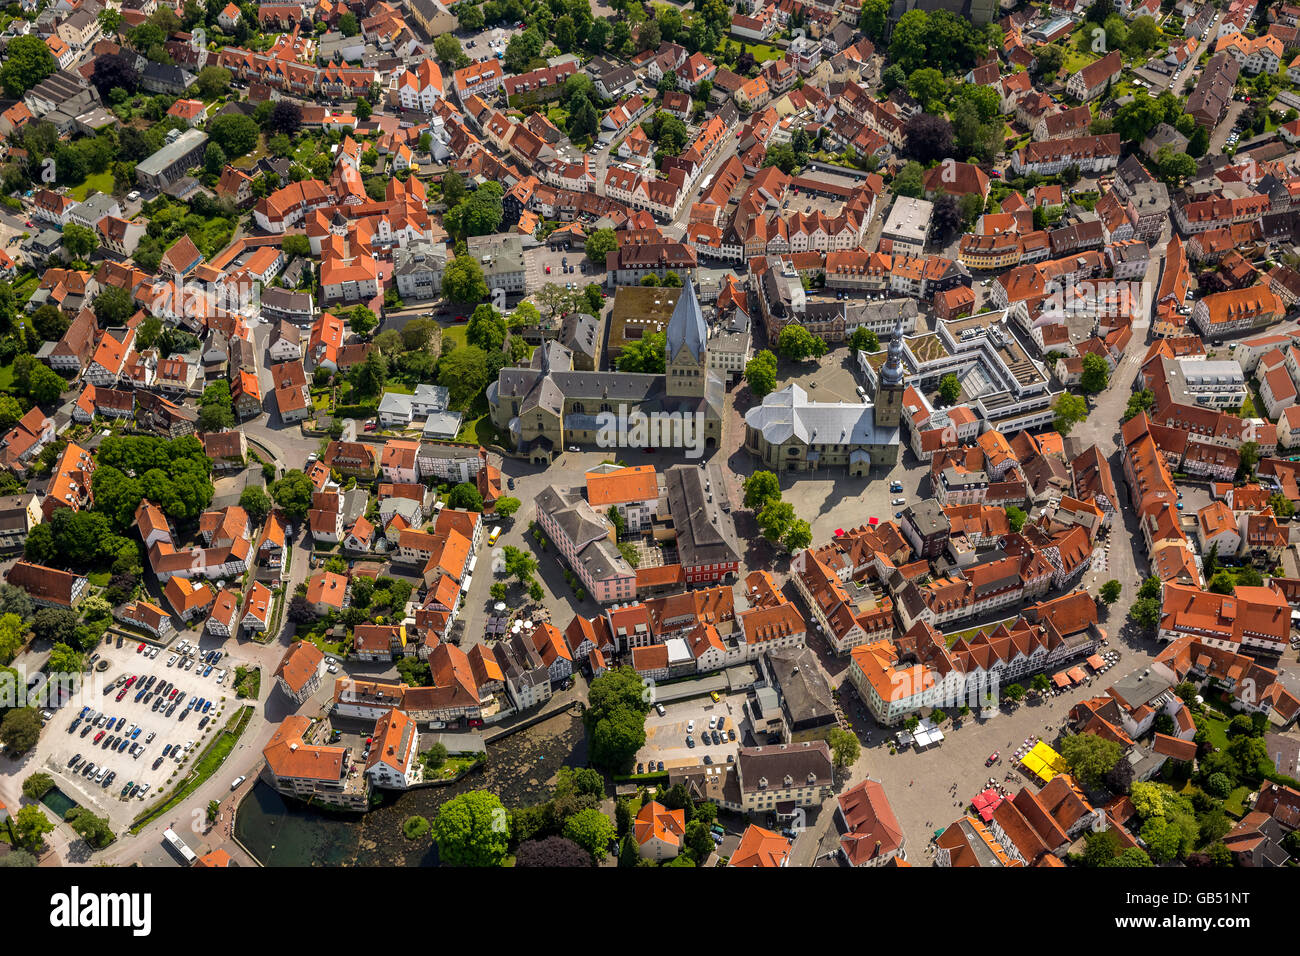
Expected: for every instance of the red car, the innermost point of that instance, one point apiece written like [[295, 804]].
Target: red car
[[99, 736], [140, 648], [548, 270], [129, 681], [121, 693], [993, 758], [172, 694]]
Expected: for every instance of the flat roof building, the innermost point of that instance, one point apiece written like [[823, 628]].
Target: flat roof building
[[172, 161], [908, 224]]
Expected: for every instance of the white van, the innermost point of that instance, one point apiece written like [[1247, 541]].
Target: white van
[[99, 774]]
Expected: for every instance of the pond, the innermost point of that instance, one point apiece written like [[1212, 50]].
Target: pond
[[59, 802], [520, 770]]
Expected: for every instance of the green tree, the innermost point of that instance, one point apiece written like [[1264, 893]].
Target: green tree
[[414, 827], [1096, 374], [615, 717], [591, 830], [49, 322], [600, 244], [462, 280], [37, 785], [256, 502], [292, 494], [873, 17], [45, 386], [1223, 583], [10, 412], [864, 340], [79, 240], [465, 497], [235, 133], [797, 344], [1282, 506], [1089, 756], [845, 748], [507, 506], [760, 488], [486, 329], [1070, 410], [214, 160], [929, 87], [776, 519], [478, 214], [92, 828], [113, 306], [949, 389], [1248, 456], [760, 373], [1110, 591], [213, 81], [647, 355], [64, 660], [27, 61], [30, 824], [1015, 518], [1145, 613], [909, 181], [464, 373], [369, 376], [616, 739], [472, 829], [1139, 402]]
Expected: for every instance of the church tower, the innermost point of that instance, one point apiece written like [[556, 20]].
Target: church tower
[[687, 364], [889, 393]]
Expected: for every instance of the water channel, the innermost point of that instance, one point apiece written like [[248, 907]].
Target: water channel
[[520, 770]]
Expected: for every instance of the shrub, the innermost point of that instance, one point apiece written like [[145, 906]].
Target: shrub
[[415, 828]]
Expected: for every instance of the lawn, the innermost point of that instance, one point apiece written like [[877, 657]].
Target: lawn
[[762, 52], [100, 182], [1075, 61], [453, 767], [1235, 804], [6, 376], [332, 648], [477, 425], [1215, 728], [99, 579], [23, 290], [456, 333], [559, 116]]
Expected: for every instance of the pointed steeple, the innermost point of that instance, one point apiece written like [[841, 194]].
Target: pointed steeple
[[686, 327], [892, 373]]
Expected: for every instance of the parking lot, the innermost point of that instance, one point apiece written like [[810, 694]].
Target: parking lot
[[665, 736], [126, 730], [538, 259]]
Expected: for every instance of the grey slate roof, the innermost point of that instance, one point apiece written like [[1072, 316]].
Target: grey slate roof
[[686, 326], [788, 413]]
